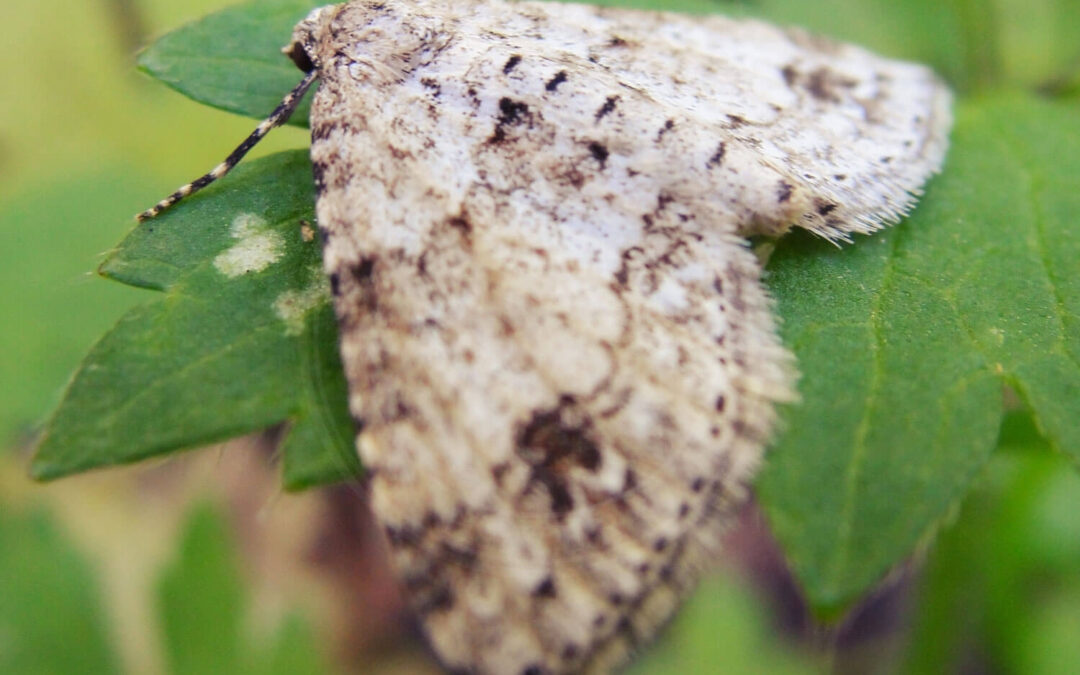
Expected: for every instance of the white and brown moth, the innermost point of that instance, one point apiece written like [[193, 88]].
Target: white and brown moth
[[561, 360]]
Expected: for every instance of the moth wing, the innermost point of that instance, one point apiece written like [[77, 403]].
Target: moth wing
[[556, 344], [856, 135], [558, 350]]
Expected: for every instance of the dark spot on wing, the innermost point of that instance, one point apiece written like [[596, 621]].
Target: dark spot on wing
[[668, 126], [608, 106], [825, 208], [462, 224], [822, 83], [554, 444], [432, 84], [545, 589], [511, 63], [318, 171], [361, 280], [783, 191], [511, 113], [718, 157], [599, 152], [498, 472], [554, 82]]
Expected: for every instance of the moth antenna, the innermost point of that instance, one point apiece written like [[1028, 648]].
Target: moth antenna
[[280, 116]]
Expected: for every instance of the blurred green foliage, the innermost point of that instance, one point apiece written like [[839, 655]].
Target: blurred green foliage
[[51, 617], [203, 602]]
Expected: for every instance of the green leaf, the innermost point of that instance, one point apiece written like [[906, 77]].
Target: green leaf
[[1015, 544], [51, 618], [293, 652], [200, 598], [722, 628], [222, 353], [203, 600], [906, 339], [232, 59]]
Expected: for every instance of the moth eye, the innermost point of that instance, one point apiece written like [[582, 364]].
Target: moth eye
[[300, 57]]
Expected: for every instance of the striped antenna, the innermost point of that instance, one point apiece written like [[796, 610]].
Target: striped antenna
[[281, 114]]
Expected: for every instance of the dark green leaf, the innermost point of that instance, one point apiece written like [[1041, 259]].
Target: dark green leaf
[[232, 59], [906, 339], [216, 356]]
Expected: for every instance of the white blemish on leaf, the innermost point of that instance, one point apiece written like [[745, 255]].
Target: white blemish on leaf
[[256, 248], [293, 306]]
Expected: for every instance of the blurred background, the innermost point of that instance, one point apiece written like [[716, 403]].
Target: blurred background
[[199, 563]]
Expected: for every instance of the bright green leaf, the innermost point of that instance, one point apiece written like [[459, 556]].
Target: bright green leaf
[[203, 598], [217, 355], [1000, 585], [906, 339], [293, 652], [722, 628], [200, 600], [232, 59]]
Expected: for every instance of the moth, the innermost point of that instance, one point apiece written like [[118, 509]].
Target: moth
[[561, 361]]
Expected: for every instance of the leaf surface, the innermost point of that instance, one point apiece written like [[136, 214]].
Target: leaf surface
[[907, 338], [232, 59], [224, 351], [203, 602]]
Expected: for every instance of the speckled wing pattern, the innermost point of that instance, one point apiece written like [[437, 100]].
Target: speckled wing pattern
[[560, 357]]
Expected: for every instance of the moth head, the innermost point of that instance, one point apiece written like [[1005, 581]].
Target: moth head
[[374, 39], [303, 47]]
